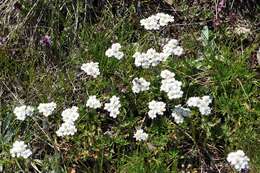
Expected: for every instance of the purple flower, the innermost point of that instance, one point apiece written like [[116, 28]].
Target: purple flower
[[2, 40], [46, 40]]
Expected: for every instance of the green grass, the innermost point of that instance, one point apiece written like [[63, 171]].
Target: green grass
[[35, 74]]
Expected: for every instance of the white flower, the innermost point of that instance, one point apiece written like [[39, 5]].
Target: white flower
[[91, 69], [156, 108], [152, 58], [178, 51], [172, 48], [67, 128], [171, 86], [46, 108], [239, 160], [193, 101], [70, 114], [140, 84], [23, 111], [148, 59], [93, 102], [166, 74], [150, 23], [179, 113], [140, 135], [114, 51], [154, 22], [113, 106], [19, 149], [202, 103], [164, 19]]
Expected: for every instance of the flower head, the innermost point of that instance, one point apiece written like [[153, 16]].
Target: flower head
[[170, 85], [93, 102], [19, 149], [166, 74], [91, 69], [67, 128], [152, 58], [114, 51], [202, 103], [239, 160], [154, 22], [140, 84], [140, 135], [148, 59], [23, 111], [164, 19], [172, 48], [113, 106], [70, 114], [47, 108], [156, 108]]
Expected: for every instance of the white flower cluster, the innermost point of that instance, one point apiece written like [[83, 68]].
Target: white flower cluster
[[69, 116], [156, 108], [19, 149], [66, 128], [152, 58], [170, 85], [239, 160], [154, 22], [93, 102], [47, 108], [114, 51], [172, 48], [148, 59], [113, 106], [21, 112], [140, 84], [202, 103], [179, 113], [140, 135], [91, 69]]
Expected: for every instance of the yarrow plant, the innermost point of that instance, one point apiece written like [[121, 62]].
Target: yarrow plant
[[113, 106], [172, 48], [149, 59], [114, 51], [170, 85], [239, 160], [20, 149], [154, 22], [21, 112], [156, 108], [140, 135], [93, 102], [202, 103], [91, 69], [152, 58], [140, 84], [69, 116], [67, 128], [47, 108]]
